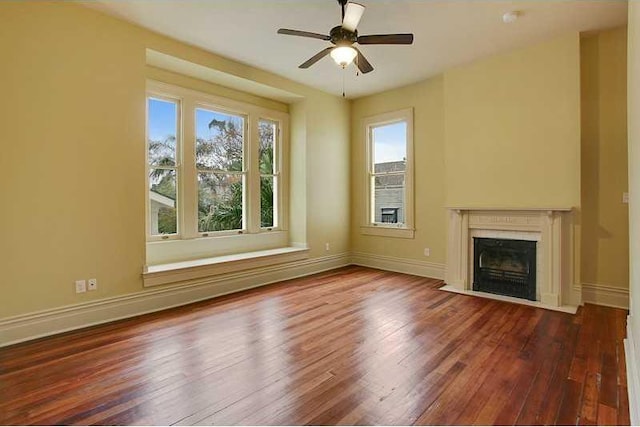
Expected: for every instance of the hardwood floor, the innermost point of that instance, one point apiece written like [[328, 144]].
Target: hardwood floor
[[350, 346]]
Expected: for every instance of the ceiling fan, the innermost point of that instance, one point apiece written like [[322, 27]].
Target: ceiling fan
[[344, 36]]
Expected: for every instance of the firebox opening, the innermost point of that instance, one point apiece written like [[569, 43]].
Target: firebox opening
[[505, 267]]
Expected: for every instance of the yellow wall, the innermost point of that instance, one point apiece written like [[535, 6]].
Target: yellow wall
[[605, 223], [73, 108], [72, 164], [512, 125], [427, 99], [327, 171]]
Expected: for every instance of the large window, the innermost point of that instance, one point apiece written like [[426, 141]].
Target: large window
[[214, 168], [389, 175]]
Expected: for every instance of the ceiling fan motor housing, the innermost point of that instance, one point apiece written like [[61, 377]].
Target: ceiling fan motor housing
[[342, 37]]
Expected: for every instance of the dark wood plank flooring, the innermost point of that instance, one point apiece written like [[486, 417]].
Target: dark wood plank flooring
[[350, 346]]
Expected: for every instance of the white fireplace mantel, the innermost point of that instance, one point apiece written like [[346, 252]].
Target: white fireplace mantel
[[550, 227]]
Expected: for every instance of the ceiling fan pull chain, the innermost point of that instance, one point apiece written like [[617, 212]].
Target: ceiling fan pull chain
[[344, 71]]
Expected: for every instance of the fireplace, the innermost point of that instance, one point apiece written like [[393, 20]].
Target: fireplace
[[505, 267], [552, 230]]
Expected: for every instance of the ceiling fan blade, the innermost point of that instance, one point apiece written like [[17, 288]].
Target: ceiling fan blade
[[315, 58], [386, 39], [303, 34], [352, 16], [361, 62]]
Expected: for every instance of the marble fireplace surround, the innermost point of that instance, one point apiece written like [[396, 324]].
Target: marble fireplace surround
[[550, 228]]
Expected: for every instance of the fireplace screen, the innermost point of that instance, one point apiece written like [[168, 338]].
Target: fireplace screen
[[505, 267]]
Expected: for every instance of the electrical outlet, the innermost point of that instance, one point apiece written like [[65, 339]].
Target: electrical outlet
[[427, 252], [327, 247], [81, 286], [92, 285]]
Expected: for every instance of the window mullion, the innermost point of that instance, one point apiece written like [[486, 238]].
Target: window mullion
[[277, 185], [394, 173], [189, 205], [408, 177], [252, 167], [370, 185]]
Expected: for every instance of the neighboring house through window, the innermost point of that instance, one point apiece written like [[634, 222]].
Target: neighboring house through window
[[389, 215], [160, 206]]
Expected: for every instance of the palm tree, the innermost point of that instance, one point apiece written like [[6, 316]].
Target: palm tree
[[226, 146], [220, 193]]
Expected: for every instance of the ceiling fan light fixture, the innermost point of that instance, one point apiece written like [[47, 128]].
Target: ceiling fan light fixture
[[343, 55]]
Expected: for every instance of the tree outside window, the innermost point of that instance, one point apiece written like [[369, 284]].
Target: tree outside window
[[220, 170]]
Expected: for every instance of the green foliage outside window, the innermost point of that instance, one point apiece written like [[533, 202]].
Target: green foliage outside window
[[220, 201]]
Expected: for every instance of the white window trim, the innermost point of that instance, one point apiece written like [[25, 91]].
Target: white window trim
[[368, 227], [189, 100]]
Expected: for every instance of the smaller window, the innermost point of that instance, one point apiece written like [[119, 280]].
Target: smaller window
[[389, 151], [162, 164], [269, 166]]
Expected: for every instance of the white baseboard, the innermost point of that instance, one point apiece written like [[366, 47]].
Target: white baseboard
[[400, 265], [609, 296], [48, 322], [632, 355]]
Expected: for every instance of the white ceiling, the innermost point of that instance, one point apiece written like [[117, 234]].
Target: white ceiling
[[447, 33]]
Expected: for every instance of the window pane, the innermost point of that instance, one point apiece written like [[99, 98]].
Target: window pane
[[162, 129], [162, 201], [388, 199], [268, 131], [220, 201], [390, 147], [219, 140], [267, 199]]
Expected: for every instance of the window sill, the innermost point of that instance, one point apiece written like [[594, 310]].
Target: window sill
[[172, 250], [397, 232], [171, 273]]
